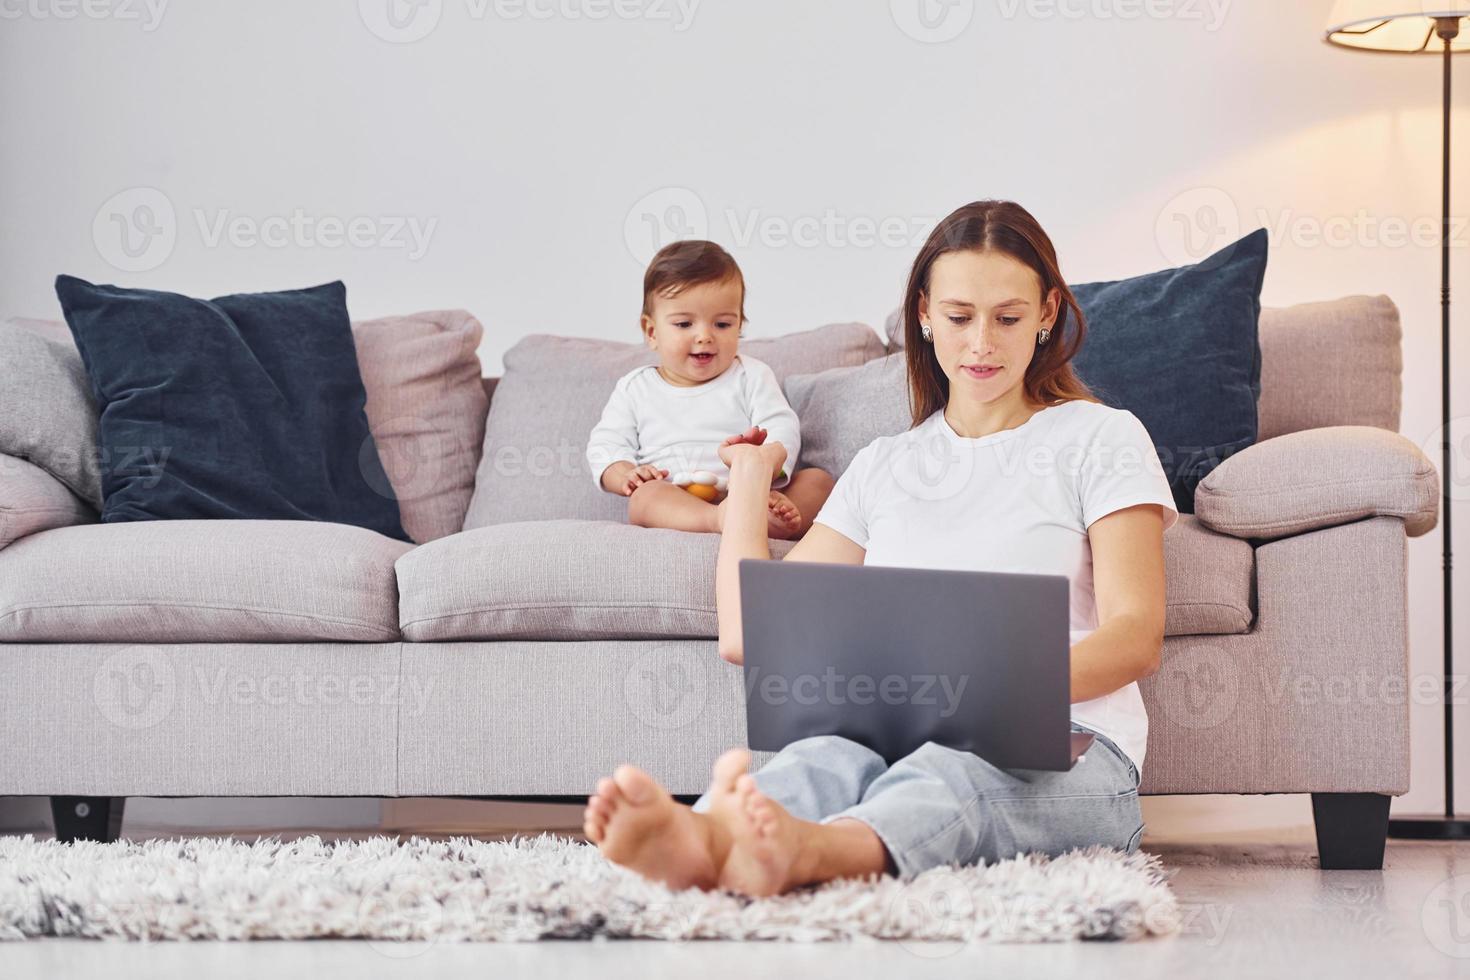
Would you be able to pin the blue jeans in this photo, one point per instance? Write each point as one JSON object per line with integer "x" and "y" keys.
{"x": 940, "y": 806}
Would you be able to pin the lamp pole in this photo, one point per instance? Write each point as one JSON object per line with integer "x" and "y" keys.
{"x": 1449, "y": 827}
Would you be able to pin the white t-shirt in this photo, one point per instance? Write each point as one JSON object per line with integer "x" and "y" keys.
{"x": 1018, "y": 500}
{"x": 648, "y": 420}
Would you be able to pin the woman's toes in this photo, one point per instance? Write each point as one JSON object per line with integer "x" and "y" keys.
{"x": 634, "y": 785}
{"x": 764, "y": 815}
{"x": 593, "y": 826}
{"x": 729, "y": 768}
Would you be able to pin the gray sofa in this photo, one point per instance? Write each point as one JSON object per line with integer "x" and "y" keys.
{"x": 523, "y": 657}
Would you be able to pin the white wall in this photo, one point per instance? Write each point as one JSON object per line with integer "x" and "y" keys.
{"x": 540, "y": 153}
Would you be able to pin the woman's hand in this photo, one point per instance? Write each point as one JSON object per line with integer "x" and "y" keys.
{"x": 753, "y": 436}
{"x": 752, "y": 442}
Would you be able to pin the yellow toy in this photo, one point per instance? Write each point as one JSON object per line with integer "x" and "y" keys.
{"x": 703, "y": 484}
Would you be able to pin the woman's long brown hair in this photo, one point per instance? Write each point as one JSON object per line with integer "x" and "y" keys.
{"x": 1006, "y": 227}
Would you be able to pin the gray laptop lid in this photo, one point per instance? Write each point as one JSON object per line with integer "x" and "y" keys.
{"x": 896, "y": 657}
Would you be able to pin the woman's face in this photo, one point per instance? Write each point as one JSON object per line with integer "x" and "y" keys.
{"x": 984, "y": 310}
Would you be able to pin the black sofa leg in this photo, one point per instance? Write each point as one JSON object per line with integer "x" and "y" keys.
{"x": 1351, "y": 830}
{"x": 96, "y": 818}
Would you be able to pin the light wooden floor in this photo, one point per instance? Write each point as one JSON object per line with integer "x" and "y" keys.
{"x": 1256, "y": 906}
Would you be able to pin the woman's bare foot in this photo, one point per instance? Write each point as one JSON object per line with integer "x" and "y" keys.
{"x": 636, "y": 823}
{"x": 782, "y": 517}
{"x": 766, "y": 844}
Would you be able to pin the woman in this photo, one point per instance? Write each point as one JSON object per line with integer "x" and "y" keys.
{"x": 1011, "y": 465}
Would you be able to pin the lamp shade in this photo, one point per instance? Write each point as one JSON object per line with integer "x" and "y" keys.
{"x": 1396, "y": 25}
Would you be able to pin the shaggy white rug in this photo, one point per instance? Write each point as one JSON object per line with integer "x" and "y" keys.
{"x": 541, "y": 888}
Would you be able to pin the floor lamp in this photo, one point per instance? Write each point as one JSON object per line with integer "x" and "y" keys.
{"x": 1439, "y": 27}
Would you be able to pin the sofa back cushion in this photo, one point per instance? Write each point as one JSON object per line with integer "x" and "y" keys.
{"x": 1180, "y": 350}
{"x": 1338, "y": 362}
{"x": 32, "y": 500}
{"x": 426, "y": 406}
{"x": 47, "y": 413}
{"x": 247, "y": 406}
{"x": 843, "y": 409}
{"x": 552, "y": 393}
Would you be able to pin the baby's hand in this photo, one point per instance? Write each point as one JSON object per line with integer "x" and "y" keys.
{"x": 640, "y": 475}
{"x": 754, "y": 435}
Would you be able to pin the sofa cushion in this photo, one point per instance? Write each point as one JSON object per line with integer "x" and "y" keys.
{"x": 426, "y": 406}
{"x": 47, "y": 413}
{"x": 1209, "y": 580}
{"x": 1317, "y": 478}
{"x": 1332, "y": 363}
{"x": 587, "y": 580}
{"x": 534, "y": 465}
{"x": 200, "y": 582}
{"x": 33, "y": 500}
{"x": 843, "y": 409}
{"x": 426, "y": 415}
{"x": 246, "y": 407}
{"x": 561, "y": 580}
{"x": 1180, "y": 350}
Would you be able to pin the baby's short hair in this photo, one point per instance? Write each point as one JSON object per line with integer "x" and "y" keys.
{"x": 691, "y": 262}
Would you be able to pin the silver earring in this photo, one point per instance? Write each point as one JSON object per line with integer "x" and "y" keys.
{"x": 928, "y": 334}
{"x": 1044, "y": 336}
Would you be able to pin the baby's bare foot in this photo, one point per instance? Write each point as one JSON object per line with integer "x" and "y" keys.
{"x": 636, "y": 823}
{"x": 783, "y": 519}
{"x": 765, "y": 843}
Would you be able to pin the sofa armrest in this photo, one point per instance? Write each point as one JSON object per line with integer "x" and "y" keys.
{"x": 33, "y": 500}
{"x": 1318, "y": 478}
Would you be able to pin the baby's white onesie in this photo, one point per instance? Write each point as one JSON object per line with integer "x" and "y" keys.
{"x": 648, "y": 420}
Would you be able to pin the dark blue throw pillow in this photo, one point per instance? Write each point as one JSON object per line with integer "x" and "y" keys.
{"x": 1180, "y": 350}
{"x": 246, "y": 407}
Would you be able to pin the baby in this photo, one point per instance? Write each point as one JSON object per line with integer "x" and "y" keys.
{"x": 659, "y": 437}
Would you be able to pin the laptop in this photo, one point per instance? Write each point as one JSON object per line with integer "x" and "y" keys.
{"x": 896, "y": 657}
